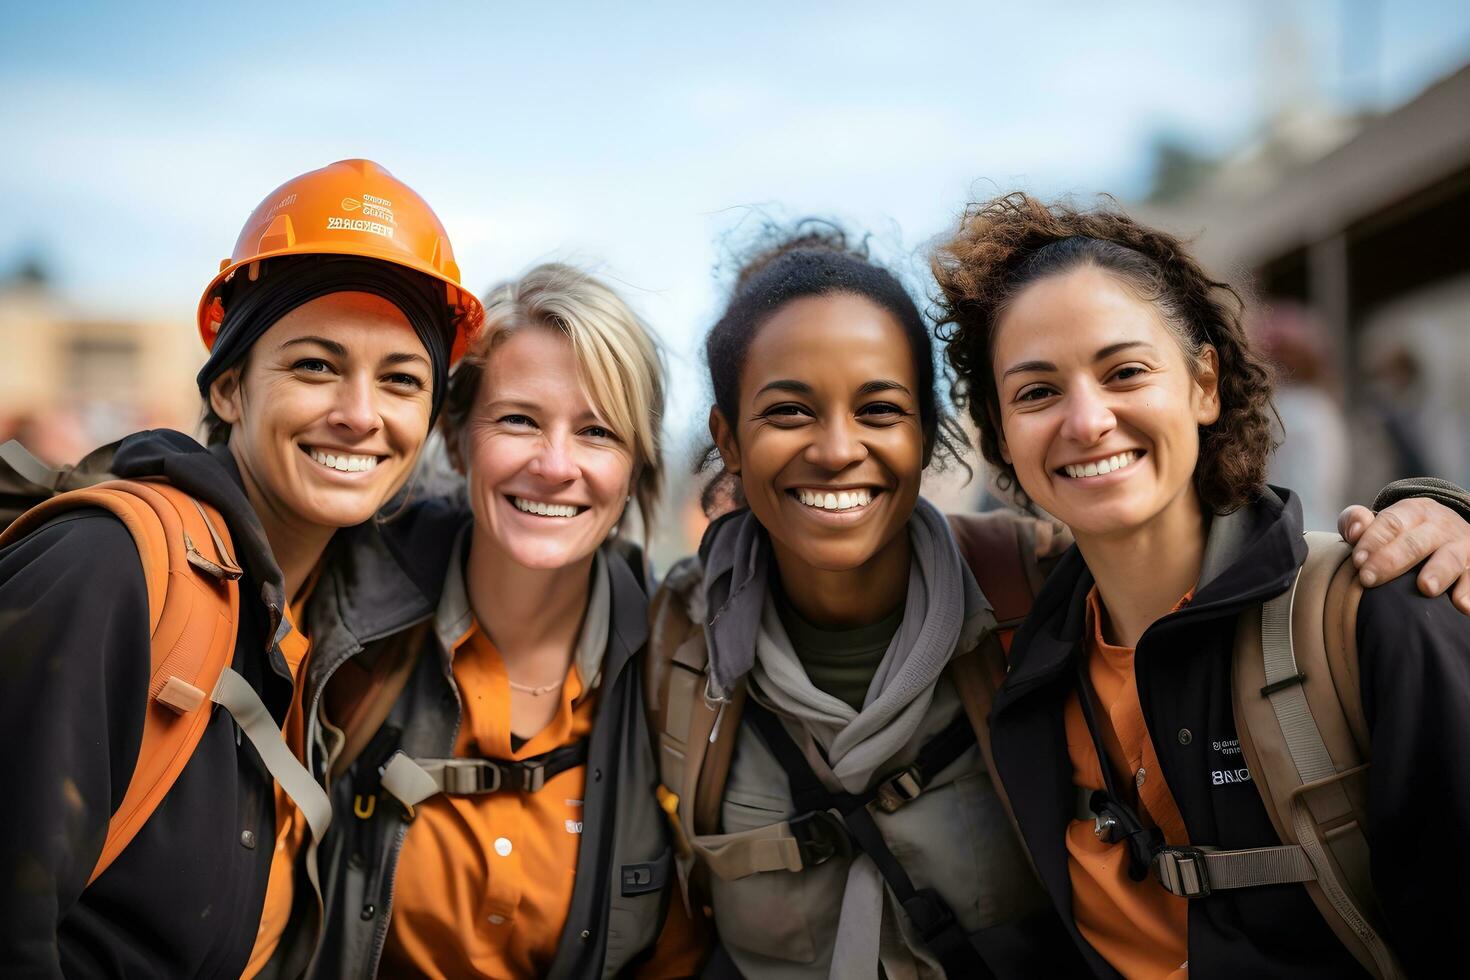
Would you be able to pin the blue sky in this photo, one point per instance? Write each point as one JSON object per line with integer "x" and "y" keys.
{"x": 135, "y": 138}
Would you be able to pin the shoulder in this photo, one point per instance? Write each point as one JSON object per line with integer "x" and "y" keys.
{"x": 675, "y": 618}
{"x": 87, "y": 545}
{"x": 1411, "y": 646}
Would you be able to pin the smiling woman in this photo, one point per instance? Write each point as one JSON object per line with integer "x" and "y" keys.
{"x": 822, "y": 620}
{"x": 329, "y": 354}
{"x": 536, "y": 846}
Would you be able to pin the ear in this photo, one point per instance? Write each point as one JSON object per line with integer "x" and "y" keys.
{"x": 1207, "y": 386}
{"x": 225, "y": 398}
{"x": 1000, "y": 437}
{"x": 724, "y": 438}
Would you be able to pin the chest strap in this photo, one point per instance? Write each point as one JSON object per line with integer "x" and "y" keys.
{"x": 1189, "y": 872}
{"x": 411, "y": 781}
{"x": 930, "y": 915}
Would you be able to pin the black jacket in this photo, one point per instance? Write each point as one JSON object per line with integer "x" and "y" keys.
{"x": 184, "y": 898}
{"x": 1414, "y": 655}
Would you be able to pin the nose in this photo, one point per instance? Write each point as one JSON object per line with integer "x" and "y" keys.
{"x": 357, "y": 409}
{"x": 837, "y": 446}
{"x": 1088, "y": 419}
{"x": 554, "y": 461}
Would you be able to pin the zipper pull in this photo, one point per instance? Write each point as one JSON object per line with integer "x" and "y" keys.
{"x": 718, "y": 703}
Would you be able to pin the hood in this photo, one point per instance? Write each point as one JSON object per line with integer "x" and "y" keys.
{"x": 212, "y": 476}
{"x": 1250, "y": 555}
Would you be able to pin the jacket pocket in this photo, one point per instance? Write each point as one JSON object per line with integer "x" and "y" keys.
{"x": 640, "y": 893}
{"x": 769, "y": 914}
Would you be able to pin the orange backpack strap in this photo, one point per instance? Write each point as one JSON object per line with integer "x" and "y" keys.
{"x": 193, "y": 607}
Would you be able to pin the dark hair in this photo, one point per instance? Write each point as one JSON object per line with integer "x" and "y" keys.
{"x": 1005, "y": 244}
{"x": 817, "y": 258}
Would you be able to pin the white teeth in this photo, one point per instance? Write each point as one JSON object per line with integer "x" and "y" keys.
{"x": 1101, "y": 466}
{"x": 544, "y": 509}
{"x": 844, "y": 500}
{"x": 344, "y": 463}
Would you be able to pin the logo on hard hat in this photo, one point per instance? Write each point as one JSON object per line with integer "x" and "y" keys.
{"x": 350, "y": 204}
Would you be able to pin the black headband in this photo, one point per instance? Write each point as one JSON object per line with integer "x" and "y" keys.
{"x": 252, "y": 308}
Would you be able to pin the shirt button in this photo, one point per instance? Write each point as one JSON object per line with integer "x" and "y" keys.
{"x": 1185, "y": 737}
{"x": 502, "y": 846}
{"x": 247, "y": 839}
{"x": 1140, "y": 776}
{"x": 496, "y": 920}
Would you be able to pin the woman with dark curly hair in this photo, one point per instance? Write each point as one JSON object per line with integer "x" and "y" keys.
{"x": 1110, "y": 377}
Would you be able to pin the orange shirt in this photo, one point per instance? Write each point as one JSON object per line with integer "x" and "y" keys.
{"x": 290, "y": 824}
{"x": 1137, "y": 926}
{"x": 484, "y": 882}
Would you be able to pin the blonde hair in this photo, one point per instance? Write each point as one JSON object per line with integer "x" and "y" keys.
{"x": 618, "y": 359}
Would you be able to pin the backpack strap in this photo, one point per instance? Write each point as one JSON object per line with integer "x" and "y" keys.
{"x": 1299, "y": 717}
{"x": 193, "y": 609}
{"x": 411, "y": 781}
{"x": 852, "y": 815}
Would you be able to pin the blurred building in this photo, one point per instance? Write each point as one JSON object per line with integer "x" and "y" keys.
{"x": 76, "y": 381}
{"x": 1363, "y": 221}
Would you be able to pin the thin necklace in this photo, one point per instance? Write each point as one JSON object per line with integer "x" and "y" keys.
{"x": 536, "y": 692}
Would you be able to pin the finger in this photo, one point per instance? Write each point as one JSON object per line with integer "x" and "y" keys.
{"x": 1444, "y": 567}
{"x": 1381, "y": 532}
{"x": 1461, "y": 593}
{"x": 1353, "y": 521}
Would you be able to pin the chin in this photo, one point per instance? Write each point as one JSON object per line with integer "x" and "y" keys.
{"x": 543, "y": 556}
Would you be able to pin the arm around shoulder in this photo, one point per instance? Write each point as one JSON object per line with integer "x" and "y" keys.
{"x": 1414, "y": 654}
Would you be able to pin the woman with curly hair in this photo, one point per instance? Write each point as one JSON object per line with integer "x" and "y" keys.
{"x": 1110, "y": 378}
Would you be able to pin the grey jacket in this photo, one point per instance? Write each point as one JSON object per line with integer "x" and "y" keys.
{"x": 954, "y": 838}
{"x": 410, "y": 574}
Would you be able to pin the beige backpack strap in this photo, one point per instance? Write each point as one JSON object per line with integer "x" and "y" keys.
{"x": 1292, "y": 713}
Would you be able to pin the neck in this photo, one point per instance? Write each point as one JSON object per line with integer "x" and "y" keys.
{"x": 1143, "y": 572}
{"x": 528, "y": 613}
{"x": 848, "y": 597}
{"x": 296, "y": 545}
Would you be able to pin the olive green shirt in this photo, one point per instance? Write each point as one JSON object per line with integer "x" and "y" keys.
{"x": 839, "y": 662}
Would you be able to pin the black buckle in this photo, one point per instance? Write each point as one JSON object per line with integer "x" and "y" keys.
{"x": 1182, "y": 871}
{"x": 820, "y": 836}
{"x": 899, "y": 789}
{"x": 929, "y": 913}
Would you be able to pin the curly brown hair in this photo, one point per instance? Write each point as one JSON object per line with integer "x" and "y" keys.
{"x": 1003, "y": 245}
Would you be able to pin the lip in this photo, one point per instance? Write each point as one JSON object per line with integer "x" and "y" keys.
{"x": 358, "y": 476}
{"x": 835, "y": 518}
{"x": 1103, "y": 479}
{"x": 509, "y": 500}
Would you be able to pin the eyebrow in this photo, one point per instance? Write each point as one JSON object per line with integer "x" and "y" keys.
{"x": 337, "y": 350}
{"x": 1101, "y": 355}
{"x": 786, "y": 384}
{"x": 881, "y": 384}
{"x": 331, "y": 345}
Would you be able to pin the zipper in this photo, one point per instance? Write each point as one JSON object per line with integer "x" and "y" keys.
{"x": 716, "y": 704}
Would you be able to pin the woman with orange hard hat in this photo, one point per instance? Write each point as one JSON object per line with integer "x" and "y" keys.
{"x": 331, "y": 330}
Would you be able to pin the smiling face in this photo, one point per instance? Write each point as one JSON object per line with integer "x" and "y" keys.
{"x": 330, "y": 411}
{"x": 828, "y": 445}
{"x": 1098, "y": 408}
{"x": 548, "y": 476}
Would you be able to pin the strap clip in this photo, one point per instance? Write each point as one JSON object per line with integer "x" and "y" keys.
{"x": 820, "y": 836}
{"x": 929, "y": 913}
{"x": 482, "y": 777}
{"x": 1182, "y": 871}
{"x": 899, "y": 789}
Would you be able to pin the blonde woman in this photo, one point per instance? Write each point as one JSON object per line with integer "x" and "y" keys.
{"x": 483, "y": 708}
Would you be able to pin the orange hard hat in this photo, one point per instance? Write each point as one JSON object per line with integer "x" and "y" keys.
{"x": 351, "y": 207}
